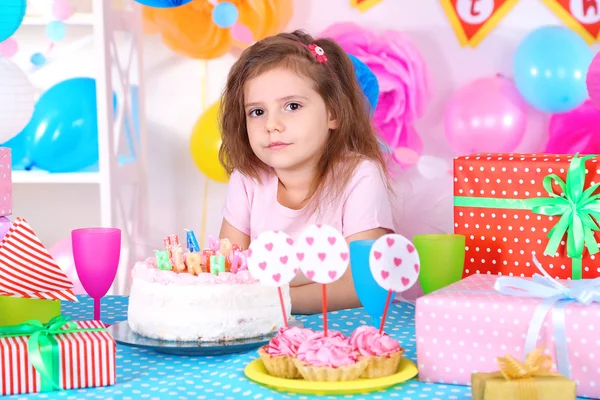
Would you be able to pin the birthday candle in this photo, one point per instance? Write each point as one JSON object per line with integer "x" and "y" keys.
{"x": 192, "y": 243}
{"x": 225, "y": 247}
{"x": 217, "y": 264}
{"x": 177, "y": 255}
{"x": 194, "y": 261}
{"x": 163, "y": 260}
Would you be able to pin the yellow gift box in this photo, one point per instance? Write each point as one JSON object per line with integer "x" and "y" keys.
{"x": 15, "y": 311}
{"x": 529, "y": 380}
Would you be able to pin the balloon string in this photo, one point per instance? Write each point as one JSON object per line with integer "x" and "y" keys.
{"x": 204, "y": 101}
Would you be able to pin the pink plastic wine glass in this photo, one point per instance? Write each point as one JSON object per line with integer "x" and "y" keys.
{"x": 96, "y": 252}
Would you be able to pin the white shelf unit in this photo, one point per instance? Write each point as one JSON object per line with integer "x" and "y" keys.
{"x": 122, "y": 187}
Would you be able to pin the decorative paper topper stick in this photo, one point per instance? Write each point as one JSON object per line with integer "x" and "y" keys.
{"x": 323, "y": 255}
{"x": 270, "y": 261}
{"x": 395, "y": 266}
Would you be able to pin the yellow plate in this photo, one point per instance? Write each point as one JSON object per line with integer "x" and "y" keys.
{"x": 256, "y": 371}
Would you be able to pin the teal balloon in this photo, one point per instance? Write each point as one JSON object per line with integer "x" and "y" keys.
{"x": 62, "y": 135}
{"x": 225, "y": 14}
{"x": 367, "y": 80}
{"x": 56, "y": 31}
{"x": 371, "y": 295}
{"x": 12, "y": 13}
{"x": 550, "y": 67}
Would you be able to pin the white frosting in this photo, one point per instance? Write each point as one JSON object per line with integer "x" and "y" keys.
{"x": 170, "y": 306}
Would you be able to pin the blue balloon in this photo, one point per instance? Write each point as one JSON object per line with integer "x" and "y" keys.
{"x": 225, "y": 14}
{"x": 367, "y": 80}
{"x": 550, "y": 67}
{"x": 56, "y": 31}
{"x": 163, "y": 3}
{"x": 12, "y": 13}
{"x": 371, "y": 295}
{"x": 37, "y": 59}
{"x": 62, "y": 135}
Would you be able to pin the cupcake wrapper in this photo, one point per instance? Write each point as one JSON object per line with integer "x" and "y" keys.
{"x": 378, "y": 367}
{"x": 280, "y": 367}
{"x": 327, "y": 374}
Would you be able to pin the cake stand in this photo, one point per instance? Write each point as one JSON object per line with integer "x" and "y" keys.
{"x": 123, "y": 334}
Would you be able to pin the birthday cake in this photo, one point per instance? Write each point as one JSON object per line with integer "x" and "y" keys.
{"x": 207, "y": 295}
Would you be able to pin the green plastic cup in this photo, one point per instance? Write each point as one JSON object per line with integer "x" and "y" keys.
{"x": 442, "y": 259}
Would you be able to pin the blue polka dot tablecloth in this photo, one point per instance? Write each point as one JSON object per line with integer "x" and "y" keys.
{"x": 144, "y": 374}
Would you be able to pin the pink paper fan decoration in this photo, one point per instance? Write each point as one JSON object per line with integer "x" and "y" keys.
{"x": 576, "y": 131}
{"x": 593, "y": 80}
{"x": 403, "y": 76}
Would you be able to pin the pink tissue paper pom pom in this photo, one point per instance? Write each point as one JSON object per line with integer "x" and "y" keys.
{"x": 403, "y": 76}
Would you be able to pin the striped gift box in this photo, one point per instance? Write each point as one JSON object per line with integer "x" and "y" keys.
{"x": 82, "y": 360}
{"x": 28, "y": 270}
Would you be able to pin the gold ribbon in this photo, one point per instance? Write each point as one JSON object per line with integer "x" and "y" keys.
{"x": 536, "y": 365}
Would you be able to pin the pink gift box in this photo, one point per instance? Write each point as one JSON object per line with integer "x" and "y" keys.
{"x": 5, "y": 182}
{"x": 463, "y": 328}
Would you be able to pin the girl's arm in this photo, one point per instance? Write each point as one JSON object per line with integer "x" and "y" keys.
{"x": 234, "y": 235}
{"x": 341, "y": 294}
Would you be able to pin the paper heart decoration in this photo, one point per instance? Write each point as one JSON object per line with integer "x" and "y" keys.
{"x": 394, "y": 263}
{"x": 322, "y": 253}
{"x": 269, "y": 258}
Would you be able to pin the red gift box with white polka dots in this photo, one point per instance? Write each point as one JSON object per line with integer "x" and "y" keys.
{"x": 495, "y": 199}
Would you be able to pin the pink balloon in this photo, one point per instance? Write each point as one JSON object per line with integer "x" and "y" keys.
{"x": 242, "y": 33}
{"x": 62, "y": 252}
{"x": 8, "y": 48}
{"x": 592, "y": 80}
{"x": 486, "y": 115}
{"x": 575, "y": 131}
{"x": 61, "y": 10}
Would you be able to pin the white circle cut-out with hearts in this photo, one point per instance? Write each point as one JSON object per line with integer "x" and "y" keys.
{"x": 322, "y": 253}
{"x": 394, "y": 263}
{"x": 270, "y": 258}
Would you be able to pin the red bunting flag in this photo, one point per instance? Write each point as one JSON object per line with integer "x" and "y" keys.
{"x": 582, "y": 16}
{"x": 28, "y": 270}
{"x": 473, "y": 20}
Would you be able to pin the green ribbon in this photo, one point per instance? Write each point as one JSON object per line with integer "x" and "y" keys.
{"x": 579, "y": 212}
{"x": 42, "y": 347}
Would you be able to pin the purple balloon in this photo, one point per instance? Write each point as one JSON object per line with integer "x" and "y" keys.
{"x": 486, "y": 115}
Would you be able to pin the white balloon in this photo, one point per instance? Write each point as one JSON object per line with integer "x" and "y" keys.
{"x": 17, "y": 99}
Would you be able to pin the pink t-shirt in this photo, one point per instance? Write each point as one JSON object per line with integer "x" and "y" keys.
{"x": 253, "y": 208}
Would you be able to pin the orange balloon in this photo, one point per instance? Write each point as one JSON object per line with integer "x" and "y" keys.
{"x": 189, "y": 29}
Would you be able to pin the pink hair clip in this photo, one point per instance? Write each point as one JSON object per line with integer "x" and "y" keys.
{"x": 318, "y": 53}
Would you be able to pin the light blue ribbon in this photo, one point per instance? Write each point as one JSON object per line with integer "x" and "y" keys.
{"x": 556, "y": 297}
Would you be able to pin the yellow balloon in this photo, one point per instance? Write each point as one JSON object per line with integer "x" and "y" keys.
{"x": 205, "y": 144}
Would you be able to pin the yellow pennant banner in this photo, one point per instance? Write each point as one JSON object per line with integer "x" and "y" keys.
{"x": 582, "y": 16}
{"x": 473, "y": 20}
{"x": 363, "y": 5}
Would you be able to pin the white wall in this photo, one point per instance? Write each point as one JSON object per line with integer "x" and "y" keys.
{"x": 174, "y": 103}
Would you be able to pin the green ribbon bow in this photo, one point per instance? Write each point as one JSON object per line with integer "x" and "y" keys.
{"x": 579, "y": 212}
{"x": 42, "y": 347}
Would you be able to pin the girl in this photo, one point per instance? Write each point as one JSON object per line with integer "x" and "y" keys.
{"x": 301, "y": 150}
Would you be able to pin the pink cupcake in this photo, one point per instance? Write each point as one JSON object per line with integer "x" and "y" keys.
{"x": 278, "y": 355}
{"x": 383, "y": 354}
{"x": 329, "y": 358}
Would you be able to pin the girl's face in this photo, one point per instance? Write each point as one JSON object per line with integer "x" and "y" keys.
{"x": 286, "y": 119}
